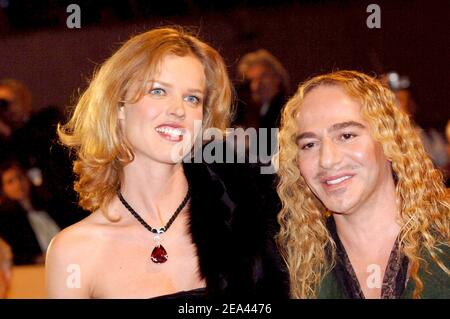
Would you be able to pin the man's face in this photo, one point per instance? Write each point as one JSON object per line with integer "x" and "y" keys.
{"x": 15, "y": 112}
{"x": 337, "y": 156}
{"x": 15, "y": 185}
{"x": 264, "y": 83}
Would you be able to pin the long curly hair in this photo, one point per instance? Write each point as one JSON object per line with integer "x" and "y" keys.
{"x": 423, "y": 201}
{"x": 93, "y": 131}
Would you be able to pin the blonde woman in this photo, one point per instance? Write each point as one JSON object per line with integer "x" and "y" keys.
{"x": 159, "y": 227}
{"x": 365, "y": 214}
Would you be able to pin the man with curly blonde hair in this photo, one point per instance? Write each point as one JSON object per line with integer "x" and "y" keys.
{"x": 365, "y": 214}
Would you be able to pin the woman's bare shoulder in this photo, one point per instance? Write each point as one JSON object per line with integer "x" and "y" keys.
{"x": 77, "y": 248}
{"x": 80, "y": 239}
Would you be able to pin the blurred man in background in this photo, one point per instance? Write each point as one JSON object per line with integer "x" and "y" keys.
{"x": 29, "y": 138}
{"x": 434, "y": 143}
{"x": 263, "y": 91}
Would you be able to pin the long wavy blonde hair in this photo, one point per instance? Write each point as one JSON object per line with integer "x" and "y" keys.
{"x": 93, "y": 131}
{"x": 424, "y": 204}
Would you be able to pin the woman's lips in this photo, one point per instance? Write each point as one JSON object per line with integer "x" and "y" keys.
{"x": 171, "y": 133}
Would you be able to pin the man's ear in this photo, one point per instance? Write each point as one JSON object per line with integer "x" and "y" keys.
{"x": 121, "y": 115}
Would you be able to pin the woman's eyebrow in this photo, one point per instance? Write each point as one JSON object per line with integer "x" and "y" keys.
{"x": 193, "y": 90}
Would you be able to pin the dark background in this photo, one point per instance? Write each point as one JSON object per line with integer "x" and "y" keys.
{"x": 309, "y": 37}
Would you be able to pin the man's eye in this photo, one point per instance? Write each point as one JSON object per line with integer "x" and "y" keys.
{"x": 347, "y": 136}
{"x": 307, "y": 146}
{"x": 157, "y": 91}
{"x": 193, "y": 99}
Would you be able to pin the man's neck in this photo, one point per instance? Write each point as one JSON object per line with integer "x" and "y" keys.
{"x": 372, "y": 224}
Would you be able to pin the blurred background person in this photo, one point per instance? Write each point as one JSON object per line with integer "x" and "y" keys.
{"x": 29, "y": 137}
{"x": 447, "y": 131}
{"x": 15, "y": 107}
{"x": 435, "y": 145}
{"x": 263, "y": 90}
{"x": 447, "y": 169}
{"x": 5, "y": 268}
{"x": 25, "y": 135}
{"x": 28, "y": 220}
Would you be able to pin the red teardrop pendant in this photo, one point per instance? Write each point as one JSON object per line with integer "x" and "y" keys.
{"x": 159, "y": 255}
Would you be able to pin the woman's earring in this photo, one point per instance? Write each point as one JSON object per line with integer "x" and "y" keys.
{"x": 327, "y": 213}
{"x": 121, "y": 115}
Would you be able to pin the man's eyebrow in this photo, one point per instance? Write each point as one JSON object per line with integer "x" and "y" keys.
{"x": 339, "y": 126}
{"x": 334, "y": 127}
{"x": 304, "y": 135}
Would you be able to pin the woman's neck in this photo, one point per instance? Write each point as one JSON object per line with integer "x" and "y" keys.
{"x": 154, "y": 190}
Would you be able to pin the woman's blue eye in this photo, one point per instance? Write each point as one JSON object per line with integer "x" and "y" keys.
{"x": 157, "y": 91}
{"x": 193, "y": 99}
